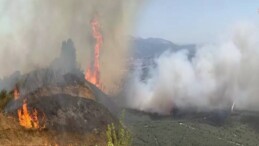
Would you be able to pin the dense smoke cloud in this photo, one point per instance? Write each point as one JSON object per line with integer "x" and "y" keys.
{"x": 215, "y": 78}
{"x": 31, "y": 33}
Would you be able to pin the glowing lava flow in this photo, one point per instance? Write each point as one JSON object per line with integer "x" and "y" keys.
{"x": 93, "y": 72}
{"x": 27, "y": 119}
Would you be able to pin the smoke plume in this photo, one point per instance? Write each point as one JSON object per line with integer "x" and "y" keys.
{"x": 31, "y": 33}
{"x": 216, "y": 77}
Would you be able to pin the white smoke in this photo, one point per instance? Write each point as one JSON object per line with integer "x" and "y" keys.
{"x": 214, "y": 78}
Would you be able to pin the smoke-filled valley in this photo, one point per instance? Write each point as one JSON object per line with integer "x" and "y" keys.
{"x": 210, "y": 77}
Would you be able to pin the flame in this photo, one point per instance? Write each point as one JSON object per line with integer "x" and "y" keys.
{"x": 16, "y": 93}
{"x": 27, "y": 119}
{"x": 93, "y": 72}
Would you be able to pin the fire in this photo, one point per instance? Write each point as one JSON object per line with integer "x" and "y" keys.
{"x": 93, "y": 72}
{"x": 16, "y": 93}
{"x": 27, "y": 119}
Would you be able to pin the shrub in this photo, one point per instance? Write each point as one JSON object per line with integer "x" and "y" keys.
{"x": 118, "y": 137}
{"x": 4, "y": 99}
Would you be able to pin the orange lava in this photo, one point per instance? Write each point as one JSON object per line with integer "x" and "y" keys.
{"x": 27, "y": 119}
{"x": 93, "y": 72}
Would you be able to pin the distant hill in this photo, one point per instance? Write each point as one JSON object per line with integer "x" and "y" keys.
{"x": 145, "y": 51}
{"x": 153, "y": 47}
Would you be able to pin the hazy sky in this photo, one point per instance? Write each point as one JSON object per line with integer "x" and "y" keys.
{"x": 193, "y": 21}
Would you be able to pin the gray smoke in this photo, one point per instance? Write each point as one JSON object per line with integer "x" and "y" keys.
{"x": 31, "y": 32}
{"x": 217, "y": 76}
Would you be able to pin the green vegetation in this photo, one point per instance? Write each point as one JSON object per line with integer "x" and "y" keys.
{"x": 5, "y": 97}
{"x": 168, "y": 131}
{"x": 118, "y": 137}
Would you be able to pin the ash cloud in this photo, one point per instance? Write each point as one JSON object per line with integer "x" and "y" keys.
{"x": 31, "y": 32}
{"x": 217, "y": 76}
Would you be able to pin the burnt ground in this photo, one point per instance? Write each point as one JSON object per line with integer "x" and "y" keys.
{"x": 11, "y": 133}
{"x": 73, "y": 111}
{"x": 66, "y": 113}
{"x": 67, "y": 119}
{"x": 200, "y": 129}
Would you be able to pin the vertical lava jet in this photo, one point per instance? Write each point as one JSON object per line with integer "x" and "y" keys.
{"x": 93, "y": 71}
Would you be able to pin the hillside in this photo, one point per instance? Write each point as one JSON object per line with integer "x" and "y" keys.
{"x": 11, "y": 133}
{"x": 75, "y": 112}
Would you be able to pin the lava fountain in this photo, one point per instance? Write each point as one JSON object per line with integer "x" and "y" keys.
{"x": 93, "y": 71}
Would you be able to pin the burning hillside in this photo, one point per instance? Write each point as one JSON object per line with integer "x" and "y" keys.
{"x": 59, "y": 100}
{"x": 14, "y": 134}
{"x": 53, "y": 118}
{"x": 64, "y": 113}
